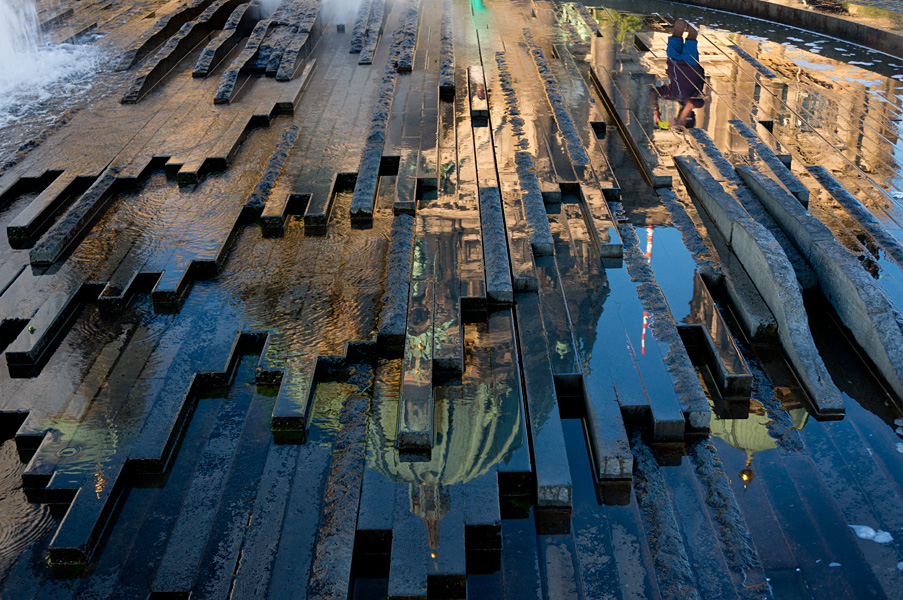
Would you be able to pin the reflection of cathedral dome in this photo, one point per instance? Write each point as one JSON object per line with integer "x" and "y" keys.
{"x": 472, "y": 434}
{"x": 751, "y": 434}
{"x": 474, "y": 431}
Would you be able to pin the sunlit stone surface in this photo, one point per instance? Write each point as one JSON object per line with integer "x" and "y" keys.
{"x": 423, "y": 299}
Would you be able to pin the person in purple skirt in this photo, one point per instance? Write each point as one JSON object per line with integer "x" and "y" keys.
{"x": 686, "y": 79}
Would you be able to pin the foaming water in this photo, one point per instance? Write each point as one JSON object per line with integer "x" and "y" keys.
{"x": 32, "y": 70}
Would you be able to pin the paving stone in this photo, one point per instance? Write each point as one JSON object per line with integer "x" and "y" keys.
{"x": 45, "y": 325}
{"x": 806, "y": 276}
{"x": 405, "y": 60}
{"x": 309, "y": 25}
{"x": 129, "y": 382}
{"x": 393, "y": 319}
{"x": 225, "y": 545}
{"x": 447, "y": 60}
{"x": 553, "y": 481}
{"x": 76, "y": 539}
{"x": 236, "y": 75}
{"x": 606, "y": 86}
{"x": 520, "y": 250}
{"x": 184, "y": 552}
{"x": 859, "y": 303}
{"x": 406, "y": 184}
{"x": 260, "y": 547}
{"x": 358, "y": 34}
{"x": 515, "y": 470}
{"x": 298, "y": 536}
{"x": 177, "y": 47}
{"x": 173, "y": 402}
{"x": 331, "y": 569}
{"x": 863, "y": 216}
{"x": 373, "y": 32}
{"x": 416, "y": 427}
{"x": 482, "y": 516}
{"x": 448, "y": 345}
{"x": 165, "y": 27}
{"x": 428, "y": 555}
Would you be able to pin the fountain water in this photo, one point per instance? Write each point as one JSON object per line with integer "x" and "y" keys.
{"x": 19, "y": 40}
{"x": 32, "y": 69}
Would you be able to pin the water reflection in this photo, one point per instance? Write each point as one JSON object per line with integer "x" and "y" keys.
{"x": 751, "y": 435}
{"x": 842, "y": 115}
{"x": 478, "y": 426}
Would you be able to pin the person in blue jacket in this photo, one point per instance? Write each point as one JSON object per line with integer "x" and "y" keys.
{"x": 686, "y": 78}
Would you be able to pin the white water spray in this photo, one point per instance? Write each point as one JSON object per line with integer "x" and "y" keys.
{"x": 19, "y": 36}
{"x": 31, "y": 68}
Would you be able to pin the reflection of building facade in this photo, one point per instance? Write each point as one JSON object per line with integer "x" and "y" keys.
{"x": 816, "y": 104}
{"x": 813, "y": 100}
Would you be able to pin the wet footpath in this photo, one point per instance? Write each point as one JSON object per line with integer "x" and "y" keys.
{"x": 417, "y": 299}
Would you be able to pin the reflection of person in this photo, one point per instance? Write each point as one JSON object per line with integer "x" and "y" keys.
{"x": 686, "y": 76}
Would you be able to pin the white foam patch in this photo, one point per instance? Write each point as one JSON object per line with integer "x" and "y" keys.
{"x": 867, "y": 533}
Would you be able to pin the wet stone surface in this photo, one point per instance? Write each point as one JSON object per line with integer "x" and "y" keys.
{"x": 417, "y": 300}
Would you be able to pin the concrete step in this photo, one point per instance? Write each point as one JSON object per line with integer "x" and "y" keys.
{"x": 331, "y": 569}
{"x": 782, "y": 298}
{"x": 175, "y": 395}
{"x": 223, "y": 546}
{"x": 165, "y": 27}
{"x": 515, "y": 469}
{"x": 373, "y": 31}
{"x": 238, "y": 26}
{"x": 200, "y": 516}
{"x": 553, "y": 481}
{"x": 69, "y": 229}
{"x": 29, "y": 224}
{"x": 177, "y": 47}
{"x": 416, "y": 420}
{"x": 723, "y": 357}
{"x": 236, "y": 75}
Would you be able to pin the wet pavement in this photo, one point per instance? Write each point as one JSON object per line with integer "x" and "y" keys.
{"x": 415, "y": 300}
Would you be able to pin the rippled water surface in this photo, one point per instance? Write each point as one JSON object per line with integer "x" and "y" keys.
{"x": 21, "y": 523}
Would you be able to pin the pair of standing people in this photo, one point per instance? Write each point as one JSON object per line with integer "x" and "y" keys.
{"x": 686, "y": 79}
